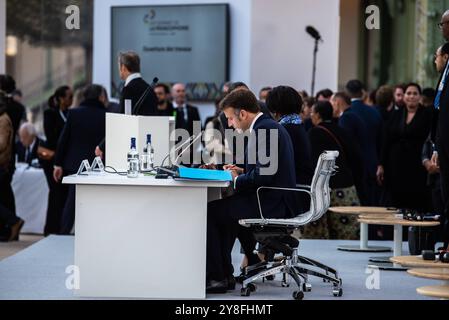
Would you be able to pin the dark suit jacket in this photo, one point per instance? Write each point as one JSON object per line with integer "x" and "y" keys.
{"x": 134, "y": 91}
{"x": 373, "y": 124}
{"x": 441, "y": 123}
{"x": 84, "y": 130}
{"x": 21, "y": 152}
{"x": 53, "y": 126}
{"x": 275, "y": 204}
{"x": 192, "y": 115}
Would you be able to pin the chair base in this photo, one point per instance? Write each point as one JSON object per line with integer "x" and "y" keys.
{"x": 299, "y": 269}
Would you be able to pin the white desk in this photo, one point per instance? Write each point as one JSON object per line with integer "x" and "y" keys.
{"x": 141, "y": 238}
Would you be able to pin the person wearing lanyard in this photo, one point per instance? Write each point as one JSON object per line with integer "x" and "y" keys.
{"x": 55, "y": 118}
{"x": 441, "y": 129}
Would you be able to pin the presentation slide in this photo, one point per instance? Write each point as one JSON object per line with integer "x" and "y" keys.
{"x": 181, "y": 43}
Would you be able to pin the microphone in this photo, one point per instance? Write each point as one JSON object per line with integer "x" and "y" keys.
{"x": 155, "y": 82}
{"x": 178, "y": 148}
{"x": 313, "y": 33}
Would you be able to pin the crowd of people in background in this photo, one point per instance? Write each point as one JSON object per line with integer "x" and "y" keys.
{"x": 391, "y": 142}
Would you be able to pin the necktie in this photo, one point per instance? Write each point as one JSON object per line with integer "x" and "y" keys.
{"x": 441, "y": 88}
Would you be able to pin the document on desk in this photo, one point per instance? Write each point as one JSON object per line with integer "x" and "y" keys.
{"x": 204, "y": 174}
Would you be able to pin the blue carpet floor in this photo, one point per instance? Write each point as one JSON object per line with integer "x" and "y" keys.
{"x": 38, "y": 273}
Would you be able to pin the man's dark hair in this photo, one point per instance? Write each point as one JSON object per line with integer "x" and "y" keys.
{"x": 265, "y": 89}
{"x": 164, "y": 86}
{"x": 236, "y": 85}
{"x": 445, "y": 48}
{"x": 310, "y": 101}
{"x": 355, "y": 88}
{"x": 429, "y": 93}
{"x": 326, "y": 93}
{"x": 372, "y": 96}
{"x": 241, "y": 100}
{"x": 7, "y": 83}
{"x": 384, "y": 96}
{"x": 399, "y": 86}
{"x": 284, "y": 101}
{"x": 93, "y": 92}
{"x": 343, "y": 96}
{"x": 324, "y": 109}
{"x": 413, "y": 84}
{"x": 130, "y": 60}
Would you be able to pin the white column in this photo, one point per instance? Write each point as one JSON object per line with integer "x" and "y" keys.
{"x": 2, "y": 36}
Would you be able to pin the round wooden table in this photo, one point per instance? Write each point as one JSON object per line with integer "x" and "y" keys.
{"x": 418, "y": 262}
{"x": 365, "y": 211}
{"x": 383, "y": 263}
{"x": 432, "y": 273}
{"x": 441, "y": 292}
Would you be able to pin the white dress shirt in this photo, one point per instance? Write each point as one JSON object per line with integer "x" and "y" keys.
{"x": 251, "y": 128}
{"x": 132, "y": 77}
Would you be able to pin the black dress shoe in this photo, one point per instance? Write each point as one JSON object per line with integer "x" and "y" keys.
{"x": 217, "y": 287}
{"x": 15, "y": 230}
{"x": 231, "y": 283}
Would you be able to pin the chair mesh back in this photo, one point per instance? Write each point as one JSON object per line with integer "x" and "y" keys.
{"x": 320, "y": 198}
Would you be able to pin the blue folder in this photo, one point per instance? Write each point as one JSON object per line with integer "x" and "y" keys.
{"x": 204, "y": 175}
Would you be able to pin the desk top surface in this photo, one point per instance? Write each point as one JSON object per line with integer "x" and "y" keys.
{"x": 114, "y": 179}
{"x": 431, "y": 273}
{"x": 361, "y": 210}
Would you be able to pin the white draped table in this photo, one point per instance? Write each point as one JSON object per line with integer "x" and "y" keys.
{"x": 31, "y": 194}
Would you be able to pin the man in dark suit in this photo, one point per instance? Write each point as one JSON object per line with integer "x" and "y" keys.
{"x": 84, "y": 129}
{"x": 243, "y": 113}
{"x": 135, "y": 86}
{"x": 164, "y": 106}
{"x": 441, "y": 158}
{"x": 26, "y": 148}
{"x": 373, "y": 123}
{"x": 186, "y": 114}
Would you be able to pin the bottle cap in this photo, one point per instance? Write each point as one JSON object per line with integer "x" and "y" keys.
{"x": 133, "y": 143}
{"x": 148, "y": 138}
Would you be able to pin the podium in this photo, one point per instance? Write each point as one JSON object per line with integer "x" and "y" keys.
{"x": 121, "y": 128}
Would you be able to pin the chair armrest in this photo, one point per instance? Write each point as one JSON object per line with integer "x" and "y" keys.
{"x": 275, "y": 188}
{"x": 303, "y": 186}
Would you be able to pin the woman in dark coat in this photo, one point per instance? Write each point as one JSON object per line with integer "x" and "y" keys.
{"x": 401, "y": 170}
{"x": 54, "y": 120}
{"x": 326, "y": 135}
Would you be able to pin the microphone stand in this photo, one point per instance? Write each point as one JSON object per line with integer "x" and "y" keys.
{"x": 143, "y": 97}
{"x": 315, "y": 52}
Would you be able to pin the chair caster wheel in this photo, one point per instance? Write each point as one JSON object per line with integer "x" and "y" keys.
{"x": 338, "y": 293}
{"x": 307, "y": 287}
{"x": 285, "y": 285}
{"x": 245, "y": 292}
{"x": 298, "y": 295}
{"x": 269, "y": 278}
{"x": 252, "y": 287}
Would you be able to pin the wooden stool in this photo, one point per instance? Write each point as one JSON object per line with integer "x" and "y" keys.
{"x": 368, "y": 211}
{"x": 418, "y": 262}
{"x": 441, "y": 292}
{"x": 383, "y": 263}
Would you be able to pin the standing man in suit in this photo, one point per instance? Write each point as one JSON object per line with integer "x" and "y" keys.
{"x": 135, "y": 86}
{"x": 84, "y": 129}
{"x": 441, "y": 156}
{"x": 26, "y": 148}
{"x": 373, "y": 123}
{"x": 243, "y": 113}
{"x": 186, "y": 114}
{"x": 164, "y": 106}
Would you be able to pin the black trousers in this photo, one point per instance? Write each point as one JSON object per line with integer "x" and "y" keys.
{"x": 68, "y": 213}
{"x": 7, "y": 201}
{"x": 57, "y": 196}
{"x": 443, "y": 155}
{"x": 222, "y": 230}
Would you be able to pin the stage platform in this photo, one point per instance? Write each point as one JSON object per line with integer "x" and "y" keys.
{"x": 38, "y": 273}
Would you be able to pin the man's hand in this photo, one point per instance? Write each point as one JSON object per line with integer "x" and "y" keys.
{"x": 57, "y": 174}
{"x": 231, "y": 167}
{"x": 435, "y": 160}
{"x": 431, "y": 167}
{"x": 98, "y": 152}
{"x": 380, "y": 175}
{"x": 234, "y": 174}
{"x": 210, "y": 166}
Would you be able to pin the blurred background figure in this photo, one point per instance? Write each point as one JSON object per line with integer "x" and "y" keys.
{"x": 263, "y": 94}
{"x": 26, "y": 148}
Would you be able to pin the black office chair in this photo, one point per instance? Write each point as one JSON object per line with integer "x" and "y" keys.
{"x": 276, "y": 237}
